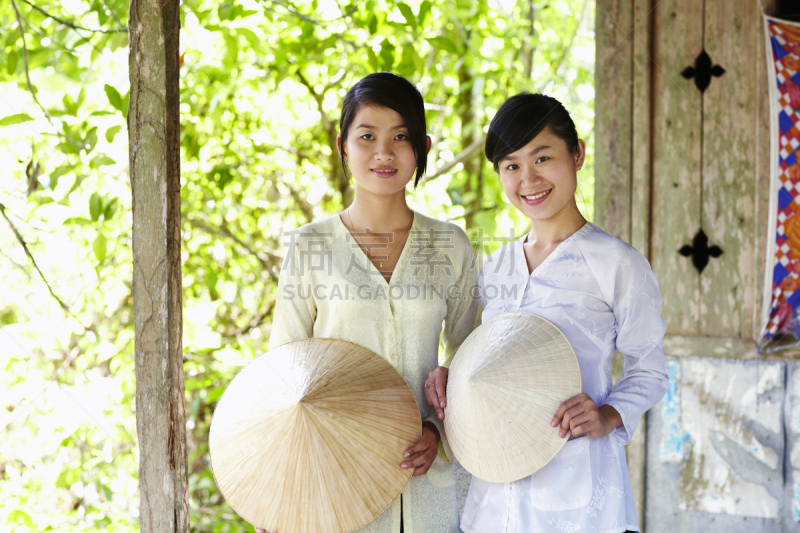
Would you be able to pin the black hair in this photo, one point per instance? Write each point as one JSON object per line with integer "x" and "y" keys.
{"x": 521, "y": 118}
{"x": 397, "y": 93}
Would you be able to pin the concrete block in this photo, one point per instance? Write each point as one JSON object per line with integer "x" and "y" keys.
{"x": 791, "y": 496}
{"x": 715, "y": 448}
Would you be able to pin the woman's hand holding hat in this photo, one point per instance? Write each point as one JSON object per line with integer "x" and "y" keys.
{"x": 435, "y": 389}
{"x": 423, "y": 452}
{"x": 581, "y": 415}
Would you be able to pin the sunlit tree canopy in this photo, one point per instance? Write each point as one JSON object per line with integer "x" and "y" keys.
{"x": 262, "y": 84}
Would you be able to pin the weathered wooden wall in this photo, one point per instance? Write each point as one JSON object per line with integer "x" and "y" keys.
{"x": 671, "y": 160}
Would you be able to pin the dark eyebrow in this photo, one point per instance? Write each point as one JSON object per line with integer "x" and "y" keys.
{"x": 367, "y": 126}
{"x": 533, "y": 152}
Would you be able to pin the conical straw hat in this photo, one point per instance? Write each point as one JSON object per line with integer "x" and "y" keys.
{"x": 309, "y": 437}
{"x": 505, "y": 384}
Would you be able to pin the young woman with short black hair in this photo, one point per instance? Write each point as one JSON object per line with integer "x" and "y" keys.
{"x": 601, "y": 293}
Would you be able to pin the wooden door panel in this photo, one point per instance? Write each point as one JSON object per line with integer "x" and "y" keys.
{"x": 677, "y": 128}
{"x": 729, "y": 156}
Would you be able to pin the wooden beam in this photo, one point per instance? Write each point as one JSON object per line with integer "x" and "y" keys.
{"x": 751, "y": 327}
{"x": 613, "y": 100}
{"x": 153, "y": 134}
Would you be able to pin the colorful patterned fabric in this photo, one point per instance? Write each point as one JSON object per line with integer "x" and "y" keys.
{"x": 781, "y": 315}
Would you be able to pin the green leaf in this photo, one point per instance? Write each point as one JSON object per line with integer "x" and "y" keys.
{"x": 116, "y": 100}
{"x": 19, "y": 516}
{"x": 373, "y": 59}
{"x": 408, "y": 63}
{"x": 251, "y": 38}
{"x": 100, "y": 246}
{"x": 424, "y": 12}
{"x": 95, "y": 206}
{"x": 15, "y": 119}
{"x": 8, "y": 317}
{"x": 408, "y": 15}
{"x": 222, "y": 175}
{"x": 101, "y": 160}
{"x": 210, "y": 278}
{"x": 69, "y": 104}
{"x": 232, "y": 51}
{"x": 11, "y": 62}
{"x": 112, "y": 132}
{"x": 67, "y": 476}
{"x": 387, "y": 55}
{"x": 215, "y": 394}
{"x": 57, "y": 173}
{"x": 109, "y": 209}
{"x": 91, "y": 139}
{"x": 125, "y": 104}
{"x": 443, "y": 43}
{"x": 373, "y": 24}
{"x": 455, "y": 196}
{"x": 77, "y": 221}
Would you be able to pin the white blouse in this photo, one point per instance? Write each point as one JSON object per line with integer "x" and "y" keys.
{"x": 329, "y": 288}
{"x": 602, "y": 294}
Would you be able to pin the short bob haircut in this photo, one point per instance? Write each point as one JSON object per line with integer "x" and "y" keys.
{"x": 397, "y": 93}
{"x": 521, "y": 118}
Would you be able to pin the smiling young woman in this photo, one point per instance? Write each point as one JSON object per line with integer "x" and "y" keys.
{"x": 602, "y": 294}
{"x": 387, "y": 278}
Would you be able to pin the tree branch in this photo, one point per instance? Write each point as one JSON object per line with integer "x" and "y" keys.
{"x": 225, "y": 232}
{"x": 330, "y": 132}
{"x": 529, "y": 51}
{"x": 567, "y": 48}
{"x": 305, "y": 207}
{"x": 64, "y": 306}
{"x": 72, "y": 25}
{"x": 113, "y": 13}
{"x": 30, "y": 85}
{"x": 467, "y": 153}
{"x": 254, "y": 323}
{"x": 294, "y": 12}
{"x": 25, "y": 59}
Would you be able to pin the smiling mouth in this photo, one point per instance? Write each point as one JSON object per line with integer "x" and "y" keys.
{"x": 537, "y": 196}
{"x": 385, "y": 171}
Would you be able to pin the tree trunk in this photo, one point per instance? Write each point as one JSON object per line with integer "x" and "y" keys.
{"x": 153, "y": 134}
{"x": 473, "y": 185}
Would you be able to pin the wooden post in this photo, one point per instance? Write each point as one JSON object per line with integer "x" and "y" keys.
{"x": 153, "y": 134}
{"x": 613, "y": 99}
{"x": 623, "y": 73}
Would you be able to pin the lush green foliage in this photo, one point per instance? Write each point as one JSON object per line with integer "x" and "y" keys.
{"x": 262, "y": 83}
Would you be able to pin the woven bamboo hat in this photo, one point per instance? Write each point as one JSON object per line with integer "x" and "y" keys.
{"x": 505, "y": 384}
{"x": 309, "y": 437}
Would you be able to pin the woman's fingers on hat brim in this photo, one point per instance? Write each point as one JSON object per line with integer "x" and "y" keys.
{"x": 570, "y": 415}
{"x": 432, "y": 395}
{"x": 582, "y": 423}
{"x": 422, "y": 462}
{"x": 441, "y": 386}
{"x": 419, "y": 447}
{"x": 564, "y": 407}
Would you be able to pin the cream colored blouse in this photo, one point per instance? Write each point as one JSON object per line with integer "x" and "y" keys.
{"x": 329, "y": 288}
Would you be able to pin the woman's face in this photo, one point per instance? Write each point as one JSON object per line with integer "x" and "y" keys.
{"x": 540, "y": 178}
{"x": 378, "y": 151}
